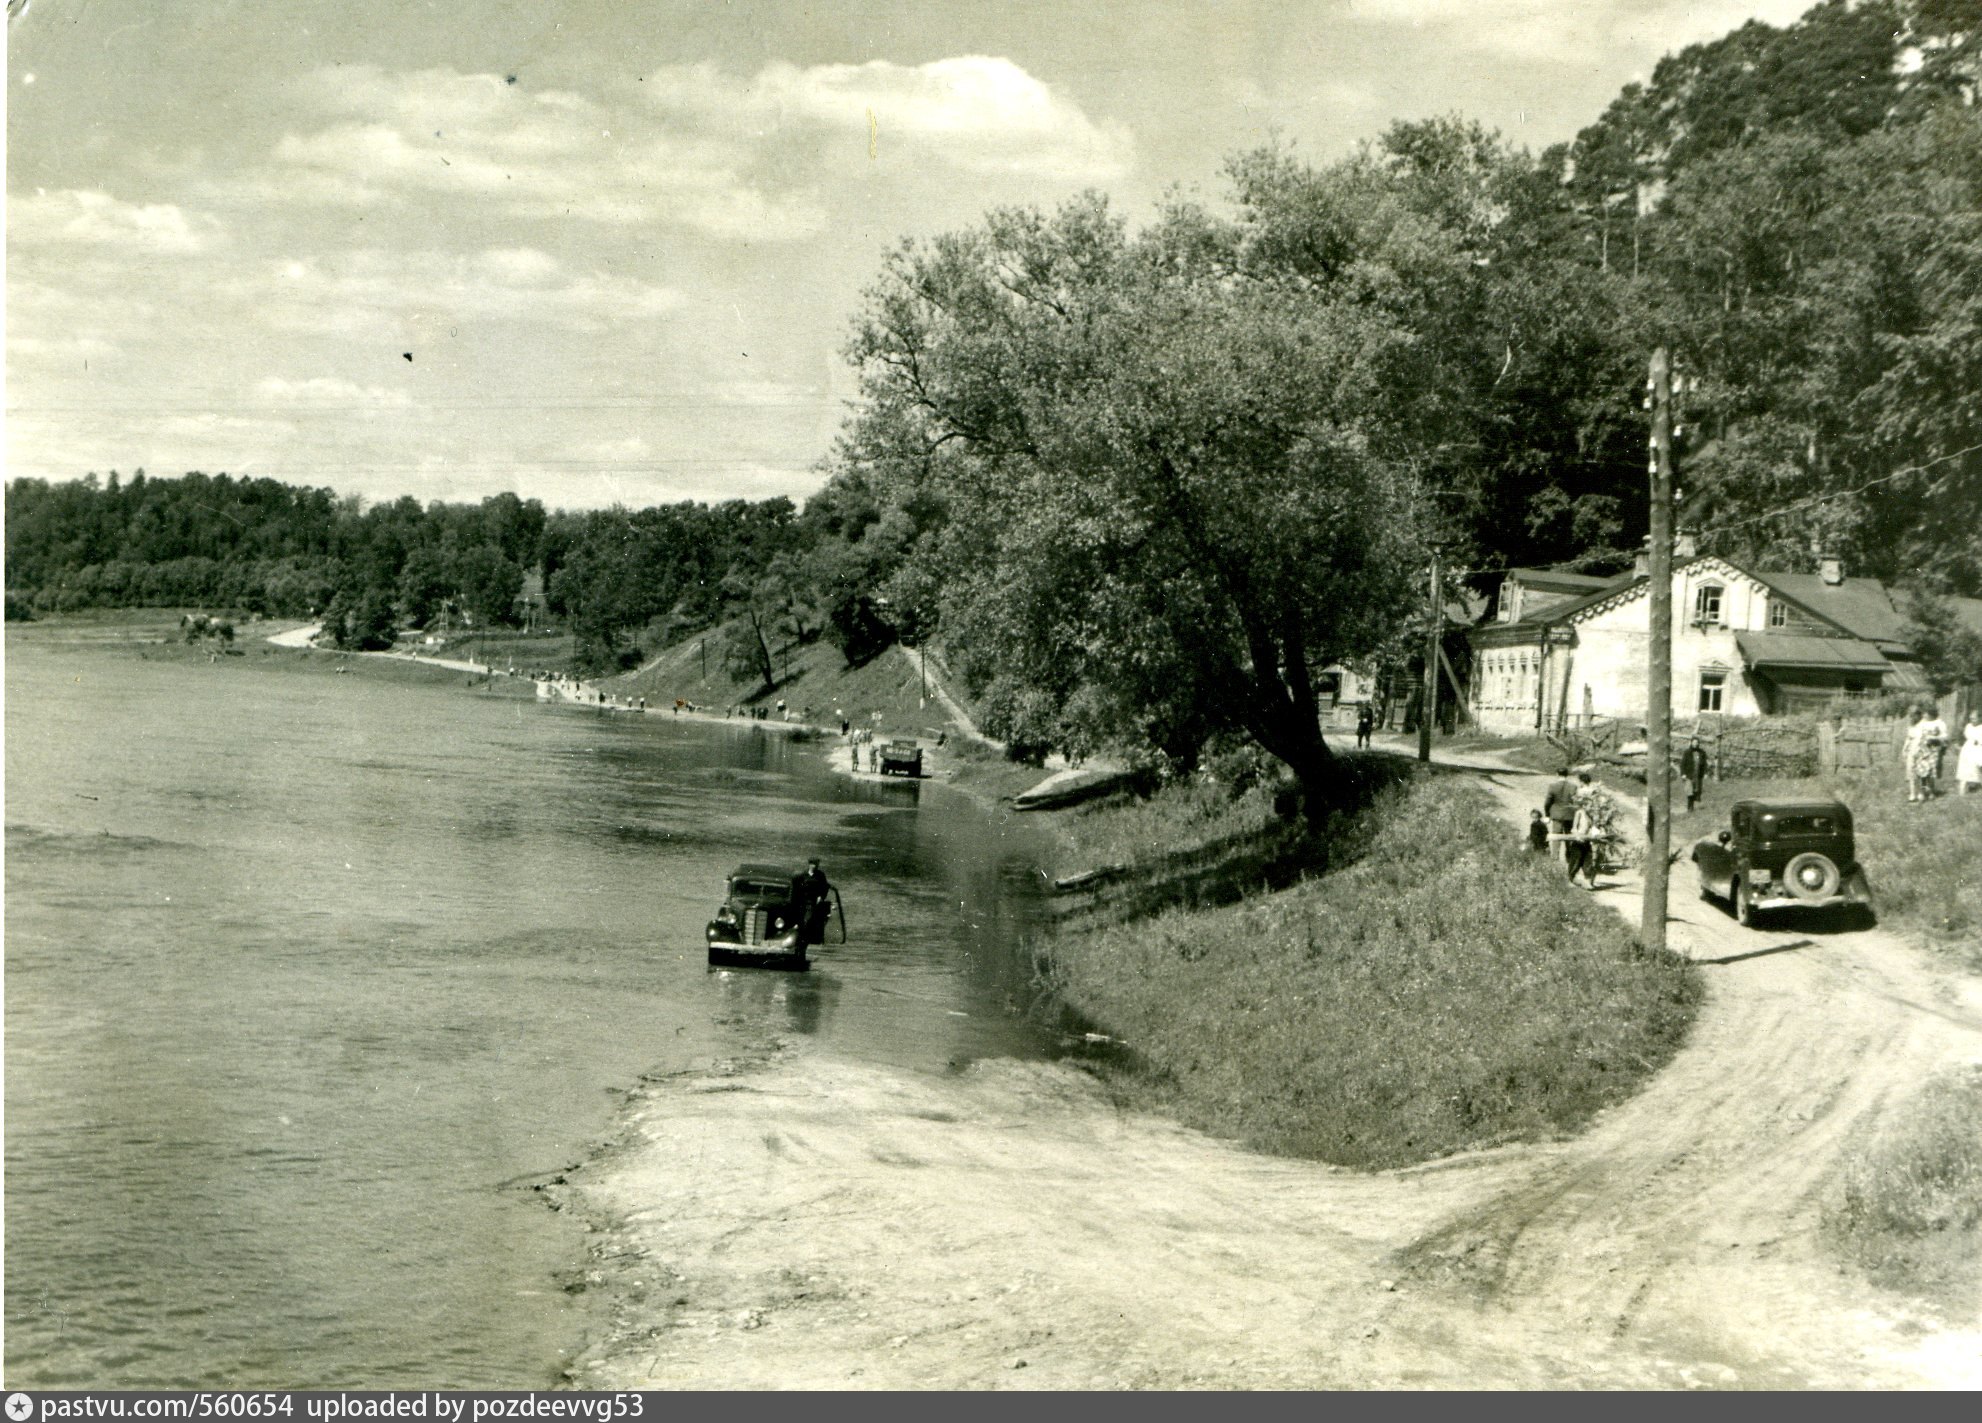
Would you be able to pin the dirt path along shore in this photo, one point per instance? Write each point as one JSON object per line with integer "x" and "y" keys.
{"x": 807, "y": 1222}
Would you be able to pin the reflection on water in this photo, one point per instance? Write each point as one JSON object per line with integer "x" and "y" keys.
{"x": 792, "y": 1002}
{"x": 301, "y": 968}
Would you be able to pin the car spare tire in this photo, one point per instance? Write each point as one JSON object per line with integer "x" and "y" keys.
{"x": 1811, "y": 876}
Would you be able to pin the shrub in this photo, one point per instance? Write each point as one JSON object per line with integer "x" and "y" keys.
{"x": 1908, "y": 1208}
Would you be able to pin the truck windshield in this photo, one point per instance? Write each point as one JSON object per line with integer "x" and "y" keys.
{"x": 759, "y": 889}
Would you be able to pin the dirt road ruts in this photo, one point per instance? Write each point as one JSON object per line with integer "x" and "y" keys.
{"x": 806, "y": 1222}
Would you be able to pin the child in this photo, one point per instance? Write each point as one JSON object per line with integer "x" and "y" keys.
{"x": 1537, "y": 831}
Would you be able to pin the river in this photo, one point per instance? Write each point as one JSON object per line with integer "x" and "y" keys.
{"x": 310, "y": 977}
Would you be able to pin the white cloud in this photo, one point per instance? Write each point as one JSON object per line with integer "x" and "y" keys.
{"x": 51, "y": 350}
{"x": 352, "y": 292}
{"x": 327, "y": 390}
{"x": 1573, "y": 31}
{"x": 722, "y": 154}
{"x": 74, "y": 217}
{"x": 630, "y": 450}
{"x": 209, "y": 426}
{"x": 472, "y": 137}
{"x": 974, "y": 112}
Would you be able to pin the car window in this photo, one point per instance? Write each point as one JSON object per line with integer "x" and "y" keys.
{"x": 1740, "y": 822}
{"x": 1806, "y": 825}
{"x": 759, "y": 889}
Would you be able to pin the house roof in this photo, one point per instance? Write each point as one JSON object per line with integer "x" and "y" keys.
{"x": 1556, "y": 578}
{"x": 1861, "y": 606}
{"x": 1809, "y": 652}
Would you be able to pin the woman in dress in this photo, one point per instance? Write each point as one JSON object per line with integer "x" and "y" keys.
{"x": 1932, "y": 734}
{"x": 1968, "y": 766}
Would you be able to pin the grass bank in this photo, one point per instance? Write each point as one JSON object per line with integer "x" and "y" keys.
{"x": 1907, "y": 1210}
{"x": 1439, "y": 989}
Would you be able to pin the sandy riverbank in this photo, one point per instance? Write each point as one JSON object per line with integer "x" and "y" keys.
{"x": 803, "y": 1221}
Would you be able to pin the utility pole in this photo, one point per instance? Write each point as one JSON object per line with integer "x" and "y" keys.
{"x": 1658, "y": 680}
{"x": 1428, "y": 698}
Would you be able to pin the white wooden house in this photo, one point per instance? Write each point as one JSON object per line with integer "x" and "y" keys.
{"x": 1743, "y": 644}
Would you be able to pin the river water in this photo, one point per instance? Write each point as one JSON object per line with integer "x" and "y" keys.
{"x": 309, "y": 977}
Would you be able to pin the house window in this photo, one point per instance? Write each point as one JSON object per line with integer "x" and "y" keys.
{"x": 1711, "y": 686}
{"x": 1778, "y": 613}
{"x": 1706, "y": 605}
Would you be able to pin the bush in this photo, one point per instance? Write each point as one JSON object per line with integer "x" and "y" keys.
{"x": 1447, "y": 990}
{"x": 1908, "y": 1209}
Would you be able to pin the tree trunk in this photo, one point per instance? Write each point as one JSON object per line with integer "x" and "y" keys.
{"x": 764, "y": 663}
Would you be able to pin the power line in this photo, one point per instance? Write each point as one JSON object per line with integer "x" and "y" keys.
{"x": 1844, "y": 493}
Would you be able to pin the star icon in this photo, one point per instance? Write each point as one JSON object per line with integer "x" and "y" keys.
{"x": 20, "y": 1407}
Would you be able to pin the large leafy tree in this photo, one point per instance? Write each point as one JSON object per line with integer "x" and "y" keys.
{"x": 1178, "y": 472}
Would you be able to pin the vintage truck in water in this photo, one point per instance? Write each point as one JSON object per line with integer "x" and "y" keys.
{"x": 770, "y": 915}
{"x": 901, "y": 758}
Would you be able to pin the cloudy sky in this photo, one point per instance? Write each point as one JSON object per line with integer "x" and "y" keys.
{"x": 599, "y": 251}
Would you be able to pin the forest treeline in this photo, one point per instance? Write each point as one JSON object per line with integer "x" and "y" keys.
{"x": 616, "y": 578}
{"x": 1144, "y": 483}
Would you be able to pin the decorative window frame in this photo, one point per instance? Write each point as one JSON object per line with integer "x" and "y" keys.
{"x": 1701, "y": 592}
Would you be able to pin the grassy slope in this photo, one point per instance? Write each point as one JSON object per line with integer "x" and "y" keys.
{"x": 818, "y": 679}
{"x": 1908, "y": 1209}
{"x": 1445, "y": 990}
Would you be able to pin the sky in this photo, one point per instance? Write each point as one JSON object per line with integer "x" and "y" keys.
{"x": 603, "y": 252}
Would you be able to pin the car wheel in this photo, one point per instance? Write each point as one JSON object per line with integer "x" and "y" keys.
{"x": 1744, "y": 907}
{"x": 1812, "y": 876}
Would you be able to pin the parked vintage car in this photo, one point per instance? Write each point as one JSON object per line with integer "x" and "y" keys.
{"x": 769, "y": 917}
{"x": 901, "y": 758}
{"x": 1780, "y": 854}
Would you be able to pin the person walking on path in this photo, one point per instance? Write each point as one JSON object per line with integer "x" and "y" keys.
{"x": 1968, "y": 766}
{"x": 1560, "y": 808}
{"x": 1593, "y": 812}
{"x": 1365, "y": 724}
{"x": 1693, "y": 768}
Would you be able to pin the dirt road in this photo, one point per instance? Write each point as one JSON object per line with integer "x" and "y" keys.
{"x": 807, "y": 1222}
